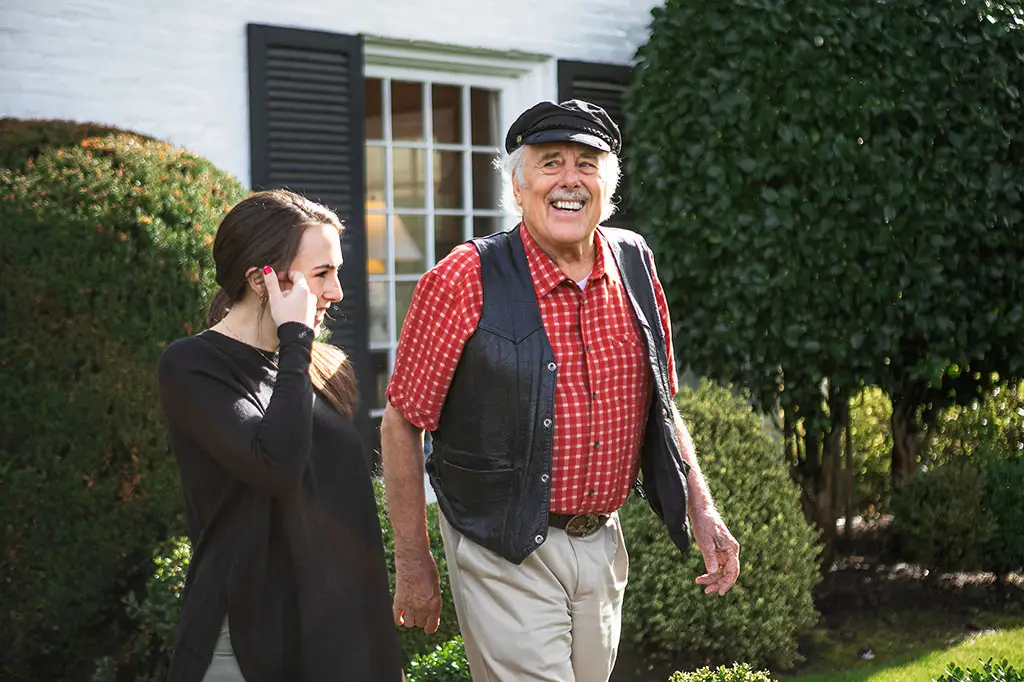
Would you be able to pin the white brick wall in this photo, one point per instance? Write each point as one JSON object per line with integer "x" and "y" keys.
{"x": 177, "y": 70}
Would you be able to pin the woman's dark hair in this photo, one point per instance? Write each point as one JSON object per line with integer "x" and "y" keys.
{"x": 266, "y": 228}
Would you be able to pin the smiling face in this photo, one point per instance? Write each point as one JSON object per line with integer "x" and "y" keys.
{"x": 318, "y": 259}
{"x": 561, "y": 192}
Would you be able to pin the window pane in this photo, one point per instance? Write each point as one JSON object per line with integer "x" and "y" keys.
{"x": 379, "y": 362}
{"x": 410, "y": 244}
{"x": 376, "y": 244}
{"x": 485, "y": 225}
{"x": 375, "y": 159}
{"x": 378, "y": 295}
{"x": 374, "y": 109}
{"x": 447, "y": 234}
{"x": 446, "y": 101}
{"x": 403, "y": 297}
{"x": 448, "y": 180}
{"x": 410, "y": 178}
{"x": 486, "y": 181}
{"x": 483, "y": 106}
{"x": 407, "y": 112}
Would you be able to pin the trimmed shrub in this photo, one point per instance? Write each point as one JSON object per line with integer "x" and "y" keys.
{"x": 940, "y": 520}
{"x": 104, "y": 258}
{"x": 446, "y": 663}
{"x": 989, "y": 672}
{"x": 412, "y": 641}
{"x": 666, "y": 614}
{"x": 1004, "y": 498}
{"x": 735, "y": 673}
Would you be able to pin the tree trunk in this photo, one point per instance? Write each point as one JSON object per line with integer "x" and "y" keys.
{"x": 828, "y": 475}
{"x": 849, "y": 478}
{"x": 904, "y": 439}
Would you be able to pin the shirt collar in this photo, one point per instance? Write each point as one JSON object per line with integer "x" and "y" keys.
{"x": 546, "y": 273}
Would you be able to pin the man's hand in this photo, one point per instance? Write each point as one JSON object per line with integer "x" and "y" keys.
{"x": 417, "y": 593}
{"x": 721, "y": 552}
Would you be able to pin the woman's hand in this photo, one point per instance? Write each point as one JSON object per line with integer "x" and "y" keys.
{"x": 296, "y": 305}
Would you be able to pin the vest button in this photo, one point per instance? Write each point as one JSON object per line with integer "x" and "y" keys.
{"x": 547, "y": 423}
{"x": 551, "y": 367}
{"x": 539, "y": 539}
{"x": 544, "y": 478}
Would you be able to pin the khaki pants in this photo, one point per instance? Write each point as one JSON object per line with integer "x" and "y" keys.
{"x": 554, "y": 618}
{"x": 223, "y": 666}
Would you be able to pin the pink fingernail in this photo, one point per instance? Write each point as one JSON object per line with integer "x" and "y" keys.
{"x": 266, "y": 269}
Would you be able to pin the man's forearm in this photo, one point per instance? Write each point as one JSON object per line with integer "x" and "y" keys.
{"x": 402, "y": 460}
{"x": 699, "y": 499}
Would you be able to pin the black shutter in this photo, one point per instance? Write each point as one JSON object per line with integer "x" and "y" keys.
{"x": 306, "y": 135}
{"x": 603, "y": 85}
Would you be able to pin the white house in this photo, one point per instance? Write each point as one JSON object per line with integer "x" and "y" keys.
{"x": 390, "y": 111}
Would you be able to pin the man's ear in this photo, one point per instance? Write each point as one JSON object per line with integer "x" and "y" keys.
{"x": 516, "y": 191}
{"x": 254, "y": 276}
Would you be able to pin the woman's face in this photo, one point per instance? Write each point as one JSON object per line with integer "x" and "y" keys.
{"x": 318, "y": 259}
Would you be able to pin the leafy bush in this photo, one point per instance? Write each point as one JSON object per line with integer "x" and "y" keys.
{"x": 989, "y": 672}
{"x": 146, "y": 654}
{"x": 734, "y": 673}
{"x": 994, "y": 424}
{"x": 870, "y": 417}
{"x": 758, "y": 621}
{"x": 446, "y": 663}
{"x": 940, "y": 520}
{"x": 1004, "y": 499}
{"x": 104, "y": 259}
{"x": 412, "y": 641}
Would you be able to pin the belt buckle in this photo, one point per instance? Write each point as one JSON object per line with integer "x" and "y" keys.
{"x": 582, "y": 525}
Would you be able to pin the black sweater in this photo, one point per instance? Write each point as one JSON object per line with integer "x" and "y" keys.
{"x": 281, "y": 514}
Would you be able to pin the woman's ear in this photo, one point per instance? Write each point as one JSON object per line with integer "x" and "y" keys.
{"x": 255, "y": 278}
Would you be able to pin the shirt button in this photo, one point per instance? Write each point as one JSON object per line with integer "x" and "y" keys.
{"x": 591, "y": 493}
{"x": 551, "y": 367}
{"x": 544, "y": 478}
{"x": 594, "y": 396}
{"x": 539, "y": 539}
{"x": 597, "y": 443}
{"x": 547, "y": 423}
{"x": 586, "y": 348}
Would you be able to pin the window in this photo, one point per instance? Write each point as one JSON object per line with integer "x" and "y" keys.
{"x": 430, "y": 185}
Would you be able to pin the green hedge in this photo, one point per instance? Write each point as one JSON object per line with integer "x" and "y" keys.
{"x": 104, "y": 258}
{"x": 665, "y": 613}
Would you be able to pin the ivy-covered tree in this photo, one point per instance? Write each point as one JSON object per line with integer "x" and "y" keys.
{"x": 835, "y": 194}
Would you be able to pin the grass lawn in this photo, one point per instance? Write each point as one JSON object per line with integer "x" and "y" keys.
{"x": 915, "y": 648}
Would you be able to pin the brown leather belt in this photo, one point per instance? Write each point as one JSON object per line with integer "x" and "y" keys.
{"x": 578, "y": 525}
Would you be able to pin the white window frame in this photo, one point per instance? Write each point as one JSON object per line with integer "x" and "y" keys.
{"x": 522, "y": 80}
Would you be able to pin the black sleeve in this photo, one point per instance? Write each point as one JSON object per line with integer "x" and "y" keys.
{"x": 268, "y": 450}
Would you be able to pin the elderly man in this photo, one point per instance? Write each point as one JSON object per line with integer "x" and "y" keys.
{"x": 541, "y": 361}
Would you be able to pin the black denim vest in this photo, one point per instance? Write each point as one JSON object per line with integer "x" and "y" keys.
{"x": 490, "y": 466}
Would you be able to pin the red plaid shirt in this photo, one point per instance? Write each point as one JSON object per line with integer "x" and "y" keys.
{"x": 603, "y": 384}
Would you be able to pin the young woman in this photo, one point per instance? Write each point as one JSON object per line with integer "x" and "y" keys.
{"x": 288, "y": 580}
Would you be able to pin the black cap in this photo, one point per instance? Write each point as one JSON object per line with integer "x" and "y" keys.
{"x": 570, "y": 121}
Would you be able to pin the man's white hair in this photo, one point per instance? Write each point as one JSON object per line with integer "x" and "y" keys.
{"x": 514, "y": 164}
